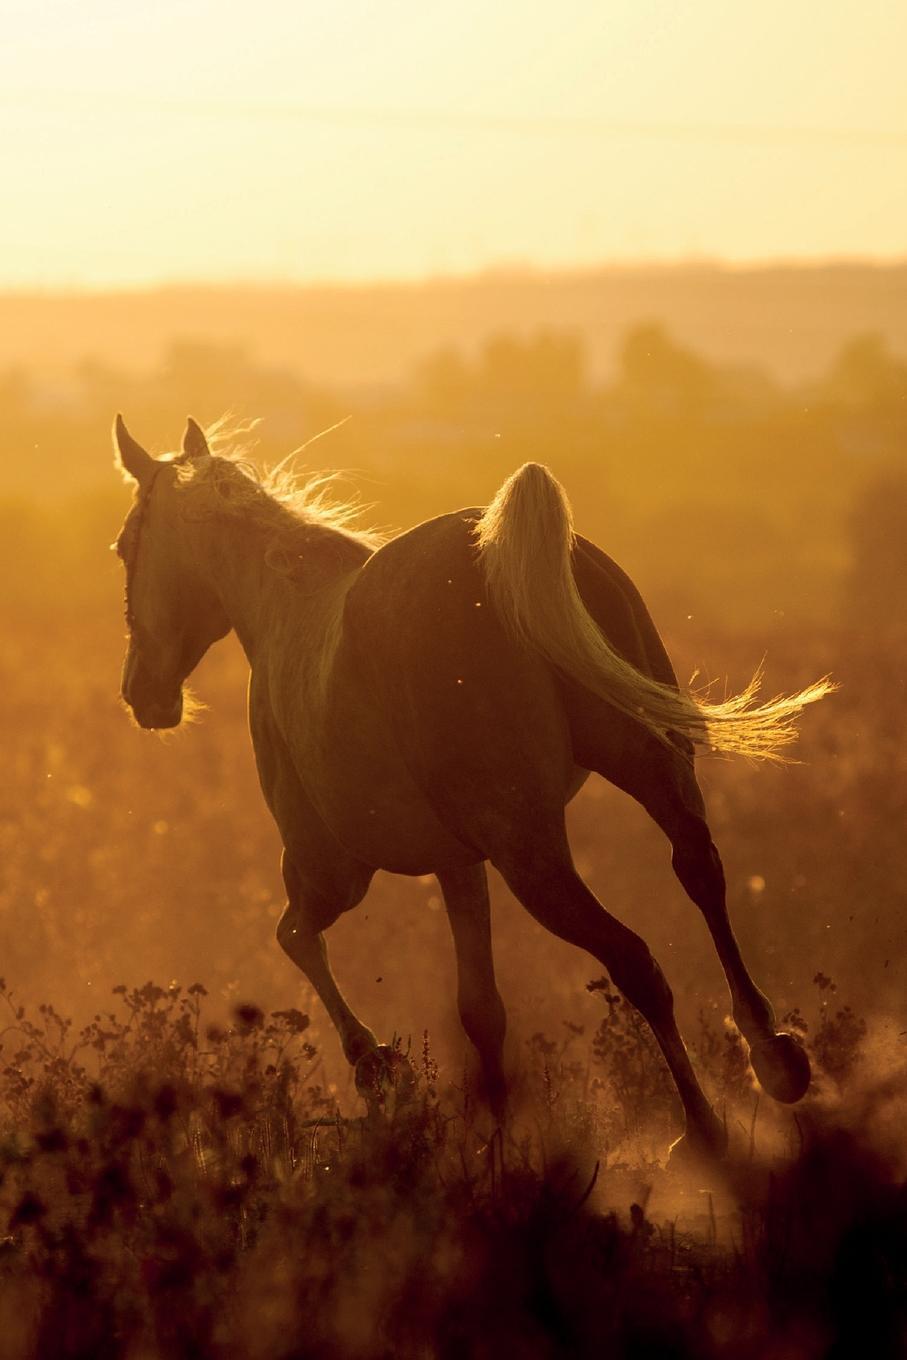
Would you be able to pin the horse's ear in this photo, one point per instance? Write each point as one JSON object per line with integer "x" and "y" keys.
{"x": 195, "y": 445}
{"x": 131, "y": 457}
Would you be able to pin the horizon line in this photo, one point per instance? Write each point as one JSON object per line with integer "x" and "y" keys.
{"x": 518, "y": 270}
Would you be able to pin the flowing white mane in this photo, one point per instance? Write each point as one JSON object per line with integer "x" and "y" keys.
{"x": 279, "y": 499}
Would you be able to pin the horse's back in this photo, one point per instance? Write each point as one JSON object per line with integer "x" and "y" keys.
{"x": 424, "y": 629}
{"x": 427, "y": 586}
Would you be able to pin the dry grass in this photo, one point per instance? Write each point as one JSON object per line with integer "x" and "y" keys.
{"x": 175, "y": 1188}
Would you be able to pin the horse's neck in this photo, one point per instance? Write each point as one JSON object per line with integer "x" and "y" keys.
{"x": 260, "y": 599}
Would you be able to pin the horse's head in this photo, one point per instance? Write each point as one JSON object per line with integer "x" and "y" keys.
{"x": 172, "y": 611}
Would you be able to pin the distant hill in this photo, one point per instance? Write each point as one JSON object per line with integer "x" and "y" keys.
{"x": 789, "y": 320}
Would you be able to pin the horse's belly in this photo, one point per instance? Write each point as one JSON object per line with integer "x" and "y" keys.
{"x": 364, "y": 793}
{"x": 388, "y": 831}
{"x": 385, "y": 820}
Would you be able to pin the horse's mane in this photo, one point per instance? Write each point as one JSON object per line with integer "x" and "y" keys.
{"x": 287, "y": 505}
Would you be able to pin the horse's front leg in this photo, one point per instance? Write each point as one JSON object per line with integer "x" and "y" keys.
{"x": 306, "y": 916}
{"x": 310, "y": 910}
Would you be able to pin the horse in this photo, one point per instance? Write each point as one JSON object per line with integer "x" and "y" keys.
{"x": 428, "y": 703}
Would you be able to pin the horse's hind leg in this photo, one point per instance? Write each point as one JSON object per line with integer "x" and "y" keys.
{"x": 307, "y": 914}
{"x": 479, "y": 1002}
{"x": 673, "y": 798}
{"x": 542, "y": 876}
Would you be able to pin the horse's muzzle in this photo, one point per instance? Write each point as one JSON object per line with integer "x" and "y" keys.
{"x": 156, "y": 716}
{"x": 151, "y": 708}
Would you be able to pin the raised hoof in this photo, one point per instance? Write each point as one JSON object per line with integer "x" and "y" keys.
{"x": 782, "y": 1068}
{"x": 385, "y": 1079}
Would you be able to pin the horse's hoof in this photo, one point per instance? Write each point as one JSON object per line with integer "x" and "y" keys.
{"x": 703, "y": 1143}
{"x": 782, "y": 1068}
{"x": 494, "y": 1089}
{"x": 385, "y": 1078}
{"x": 692, "y": 1154}
{"x": 497, "y": 1106}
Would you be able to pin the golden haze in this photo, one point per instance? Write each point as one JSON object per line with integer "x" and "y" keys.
{"x": 336, "y": 141}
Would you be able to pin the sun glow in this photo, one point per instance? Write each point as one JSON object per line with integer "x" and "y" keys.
{"x": 339, "y": 141}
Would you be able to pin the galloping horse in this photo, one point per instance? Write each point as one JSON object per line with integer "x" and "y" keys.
{"x": 428, "y": 703}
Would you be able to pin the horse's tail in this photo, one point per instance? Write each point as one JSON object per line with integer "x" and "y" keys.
{"x": 525, "y": 539}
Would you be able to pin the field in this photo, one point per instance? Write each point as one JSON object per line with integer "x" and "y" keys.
{"x": 187, "y": 1169}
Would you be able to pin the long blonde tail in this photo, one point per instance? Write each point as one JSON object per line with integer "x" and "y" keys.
{"x": 525, "y": 538}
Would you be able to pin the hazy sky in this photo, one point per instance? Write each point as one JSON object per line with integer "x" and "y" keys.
{"x": 334, "y": 139}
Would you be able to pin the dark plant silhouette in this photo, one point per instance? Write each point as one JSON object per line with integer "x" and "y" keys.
{"x": 171, "y": 1187}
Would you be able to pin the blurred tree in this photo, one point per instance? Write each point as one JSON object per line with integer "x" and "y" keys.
{"x": 443, "y": 381}
{"x": 546, "y": 370}
{"x": 866, "y": 373}
{"x": 878, "y": 569}
{"x": 540, "y": 377}
{"x": 660, "y": 379}
{"x": 15, "y": 391}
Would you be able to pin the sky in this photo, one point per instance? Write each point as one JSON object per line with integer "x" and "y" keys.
{"x": 333, "y": 140}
